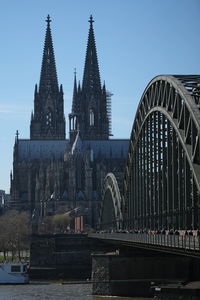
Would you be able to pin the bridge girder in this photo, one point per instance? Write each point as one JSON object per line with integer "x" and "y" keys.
{"x": 111, "y": 214}
{"x": 162, "y": 175}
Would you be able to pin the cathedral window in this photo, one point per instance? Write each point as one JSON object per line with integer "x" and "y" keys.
{"x": 73, "y": 123}
{"x": 91, "y": 117}
{"x": 49, "y": 119}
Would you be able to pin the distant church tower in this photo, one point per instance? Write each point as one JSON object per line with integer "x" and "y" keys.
{"x": 48, "y": 121}
{"x": 90, "y": 107}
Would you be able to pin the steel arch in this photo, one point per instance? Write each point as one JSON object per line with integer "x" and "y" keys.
{"x": 111, "y": 214}
{"x": 162, "y": 175}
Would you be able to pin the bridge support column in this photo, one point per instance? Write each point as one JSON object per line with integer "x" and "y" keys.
{"x": 132, "y": 275}
{"x": 101, "y": 274}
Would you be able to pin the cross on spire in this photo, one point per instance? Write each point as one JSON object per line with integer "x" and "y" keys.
{"x": 91, "y": 20}
{"x": 48, "y": 20}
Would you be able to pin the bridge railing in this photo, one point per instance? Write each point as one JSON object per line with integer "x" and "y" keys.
{"x": 186, "y": 242}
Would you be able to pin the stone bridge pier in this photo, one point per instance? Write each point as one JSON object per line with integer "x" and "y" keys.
{"x": 133, "y": 273}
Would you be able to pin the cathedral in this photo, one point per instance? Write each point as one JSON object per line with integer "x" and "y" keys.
{"x": 52, "y": 173}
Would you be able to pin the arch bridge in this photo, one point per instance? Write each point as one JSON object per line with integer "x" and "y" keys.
{"x": 111, "y": 213}
{"x": 162, "y": 173}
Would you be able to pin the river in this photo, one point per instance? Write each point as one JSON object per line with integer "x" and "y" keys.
{"x": 52, "y": 291}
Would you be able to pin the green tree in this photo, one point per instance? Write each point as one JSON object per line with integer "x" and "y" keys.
{"x": 61, "y": 222}
{"x": 14, "y": 233}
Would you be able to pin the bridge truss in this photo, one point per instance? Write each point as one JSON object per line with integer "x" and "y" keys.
{"x": 162, "y": 176}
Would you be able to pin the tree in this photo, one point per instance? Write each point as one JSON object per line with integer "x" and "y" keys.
{"x": 3, "y": 236}
{"x": 61, "y": 221}
{"x": 14, "y": 232}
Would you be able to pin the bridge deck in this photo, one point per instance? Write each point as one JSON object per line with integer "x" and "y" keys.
{"x": 185, "y": 245}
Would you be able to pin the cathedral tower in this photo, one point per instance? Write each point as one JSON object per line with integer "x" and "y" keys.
{"x": 48, "y": 121}
{"x": 90, "y": 115}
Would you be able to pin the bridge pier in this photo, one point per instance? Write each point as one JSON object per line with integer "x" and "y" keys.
{"x": 133, "y": 274}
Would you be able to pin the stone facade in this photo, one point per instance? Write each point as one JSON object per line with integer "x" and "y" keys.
{"x": 52, "y": 173}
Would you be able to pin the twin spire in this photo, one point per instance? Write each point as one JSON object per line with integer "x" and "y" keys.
{"x": 91, "y": 84}
{"x": 48, "y": 77}
{"x": 89, "y": 105}
{"x": 91, "y": 76}
{"x": 48, "y": 120}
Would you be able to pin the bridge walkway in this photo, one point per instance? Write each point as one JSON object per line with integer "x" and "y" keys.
{"x": 175, "y": 244}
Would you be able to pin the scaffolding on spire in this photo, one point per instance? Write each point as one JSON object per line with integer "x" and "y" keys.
{"x": 109, "y": 110}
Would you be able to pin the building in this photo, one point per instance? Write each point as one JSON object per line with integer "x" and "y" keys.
{"x": 4, "y": 201}
{"x": 52, "y": 173}
{"x": 2, "y": 197}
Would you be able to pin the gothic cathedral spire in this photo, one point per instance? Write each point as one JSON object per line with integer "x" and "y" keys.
{"x": 91, "y": 77}
{"x": 92, "y": 116}
{"x": 75, "y": 91}
{"x": 48, "y": 120}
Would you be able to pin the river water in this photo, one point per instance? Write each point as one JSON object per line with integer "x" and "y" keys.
{"x": 53, "y": 291}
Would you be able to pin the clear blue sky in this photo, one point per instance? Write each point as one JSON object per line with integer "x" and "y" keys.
{"x": 136, "y": 41}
